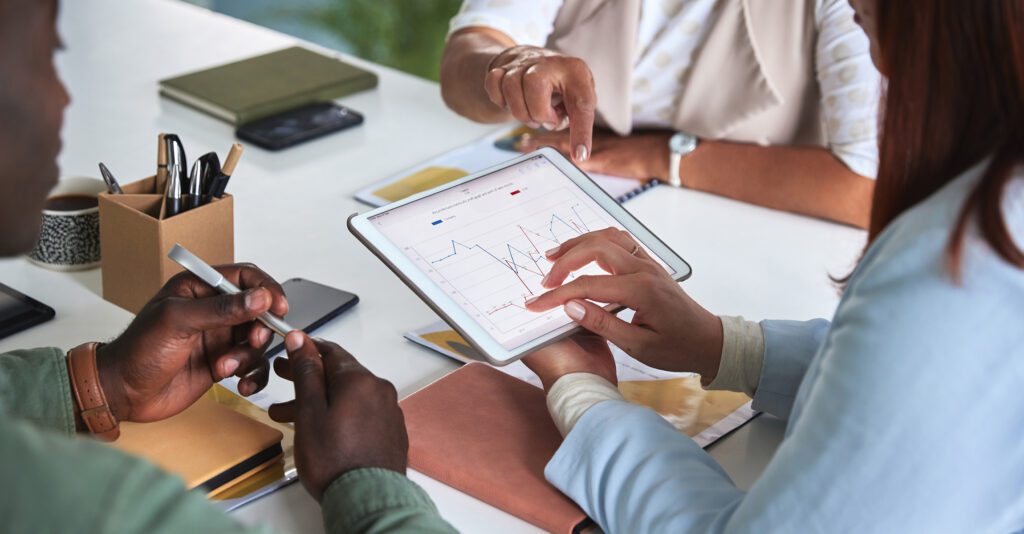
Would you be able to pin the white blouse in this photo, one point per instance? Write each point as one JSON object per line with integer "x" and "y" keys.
{"x": 670, "y": 32}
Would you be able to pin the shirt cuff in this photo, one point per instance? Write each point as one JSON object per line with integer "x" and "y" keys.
{"x": 34, "y": 387}
{"x": 575, "y": 393}
{"x": 742, "y": 356}
{"x": 358, "y": 499}
{"x": 497, "y": 23}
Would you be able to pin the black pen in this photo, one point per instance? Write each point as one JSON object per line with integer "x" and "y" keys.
{"x": 173, "y": 196}
{"x": 209, "y": 171}
{"x": 220, "y": 183}
{"x": 195, "y": 186}
{"x": 176, "y": 161}
{"x": 113, "y": 187}
{"x": 174, "y": 174}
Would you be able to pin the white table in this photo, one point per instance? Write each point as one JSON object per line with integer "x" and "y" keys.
{"x": 291, "y": 206}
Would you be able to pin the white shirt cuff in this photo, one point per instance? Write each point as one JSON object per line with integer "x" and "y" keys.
{"x": 575, "y": 393}
{"x": 742, "y": 356}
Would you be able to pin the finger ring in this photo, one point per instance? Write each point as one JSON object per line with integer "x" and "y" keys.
{"x": 636, "y": 247}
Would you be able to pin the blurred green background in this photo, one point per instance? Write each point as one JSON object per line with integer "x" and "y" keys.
{"x": 404, "y": 34}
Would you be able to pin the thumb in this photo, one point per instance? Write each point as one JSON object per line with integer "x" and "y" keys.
{"x": 599, "y": 321}
{"x": 222, "y": 311}
{"x": 307, "y": 369}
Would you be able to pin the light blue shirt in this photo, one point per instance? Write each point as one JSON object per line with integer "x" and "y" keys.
{"x": 906, "y": 413}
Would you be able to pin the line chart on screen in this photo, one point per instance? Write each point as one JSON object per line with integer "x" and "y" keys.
{"x": 497, "y": 262}
{"x": 482, "y": 243}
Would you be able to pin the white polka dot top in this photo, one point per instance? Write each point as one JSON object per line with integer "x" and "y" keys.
{"x": 670, "y": 34}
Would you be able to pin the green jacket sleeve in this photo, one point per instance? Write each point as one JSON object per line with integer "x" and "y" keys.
{"x": 34, "y": 387}
{"x": 59, "y": 482}
{"x": 374, "y": 500}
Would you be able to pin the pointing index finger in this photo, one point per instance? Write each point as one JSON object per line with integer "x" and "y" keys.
{"x": 580, "y": 102}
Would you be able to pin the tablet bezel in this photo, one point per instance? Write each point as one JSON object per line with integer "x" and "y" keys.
{"x": 33, "y": 314}
{"x": 438, "y": 300}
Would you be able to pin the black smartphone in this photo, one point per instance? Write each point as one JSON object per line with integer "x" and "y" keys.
{"x": 311, "y": 305}
{"x": 298, "y": 125}
{"x": 20, "y": 312}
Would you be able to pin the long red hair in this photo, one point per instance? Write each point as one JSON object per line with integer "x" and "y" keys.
{"x": 955, "y": 95}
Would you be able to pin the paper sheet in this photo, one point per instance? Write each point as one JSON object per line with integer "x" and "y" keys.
{"x": 476, "y": 156}
{"x": 703, "y": 415}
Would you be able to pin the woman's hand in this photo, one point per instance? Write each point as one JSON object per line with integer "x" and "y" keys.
{"x": 642, "y": 155}
{"x": 542, "y": 87}
{"x": 582, "y": 353}
{"x": 669, "y": 330}
{"x": 185, "y": 339}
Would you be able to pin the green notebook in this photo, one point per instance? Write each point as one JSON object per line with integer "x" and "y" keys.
{"x": 265, "y": 85}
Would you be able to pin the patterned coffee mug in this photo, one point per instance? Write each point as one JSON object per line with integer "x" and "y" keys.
{"x": 69, "y": 239}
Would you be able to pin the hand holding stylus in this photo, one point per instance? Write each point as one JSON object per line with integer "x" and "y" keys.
{"x": 185, "y": 339}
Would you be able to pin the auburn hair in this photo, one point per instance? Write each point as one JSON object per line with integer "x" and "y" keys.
{"x": 954, "y": 96}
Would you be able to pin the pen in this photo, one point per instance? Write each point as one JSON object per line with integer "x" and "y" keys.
{"x": 195, "y": 183}
{"x": 113, "y": 187}
{"x": 209, "y": 171}
{"x": 220, "y": 183}
{"x": 161, "y": 164}
{"x": 176, "y": 177}
{"x": 173, "y": 202}
{"x": 177, "y": 164}
{"x": 208, "y": 274}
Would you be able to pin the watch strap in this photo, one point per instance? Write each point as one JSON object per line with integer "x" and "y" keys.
{"x": 679, "y": 145}
{"x": 674, "y": 177}
{"x": 88, "y": 392}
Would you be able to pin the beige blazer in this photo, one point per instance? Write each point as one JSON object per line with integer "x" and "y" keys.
{"x": 754, "y": 80}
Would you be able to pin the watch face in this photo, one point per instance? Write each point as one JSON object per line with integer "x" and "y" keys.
{"x": 682, "y": 143}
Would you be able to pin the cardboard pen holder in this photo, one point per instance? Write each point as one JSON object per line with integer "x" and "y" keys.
{"x": 134, "y": 241}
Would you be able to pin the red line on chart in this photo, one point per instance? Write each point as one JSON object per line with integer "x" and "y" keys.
{"x": 510, "y": 262}
{"x": 516, "y": 272}
{"x": 537, "y": 250}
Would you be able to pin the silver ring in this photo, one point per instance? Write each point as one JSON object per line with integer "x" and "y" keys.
{"x": 636, "y": 248}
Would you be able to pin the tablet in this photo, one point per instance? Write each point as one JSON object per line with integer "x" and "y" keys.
{"x": 19, "y": 312}
{"x": 473, "y": 249}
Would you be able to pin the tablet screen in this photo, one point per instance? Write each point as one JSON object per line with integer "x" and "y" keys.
{"x": 12, "y": 308}
{"x": 483, "y": 243}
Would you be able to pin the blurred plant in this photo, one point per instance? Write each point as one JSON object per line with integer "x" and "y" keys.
{"x": 405, "y": 34}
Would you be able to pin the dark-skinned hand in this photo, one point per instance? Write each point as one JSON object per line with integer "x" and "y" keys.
{"x": 641, "y": 155}
{"x": 186, "y": 338}
{"x": 345, "y": 417}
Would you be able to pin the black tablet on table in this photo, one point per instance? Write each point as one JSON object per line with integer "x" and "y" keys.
{"x": 19, "y": 312}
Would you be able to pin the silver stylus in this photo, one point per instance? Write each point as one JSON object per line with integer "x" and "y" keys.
{"x": 208, "y": 274}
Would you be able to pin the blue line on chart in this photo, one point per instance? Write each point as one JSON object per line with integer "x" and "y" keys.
{"x": 584, "y": 223}
{"x": 511, "y": 263}
{"x": 513, "y": 266}
{"x": 551, "y": 228}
